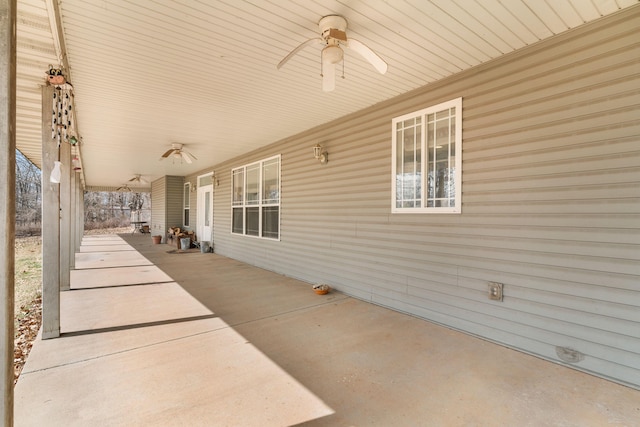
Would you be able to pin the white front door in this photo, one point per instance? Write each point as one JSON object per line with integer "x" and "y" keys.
{"x": 205, "y": 213}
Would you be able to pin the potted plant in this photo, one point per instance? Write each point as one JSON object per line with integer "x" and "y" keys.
{"x": 321, "y": 289}
{"x": 156, "y": 239}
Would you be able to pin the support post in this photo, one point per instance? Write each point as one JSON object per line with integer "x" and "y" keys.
{"x": 7, "y": 201}
{"x": 74, "y": 218}
{"x": 65, "y": 216}
{"x": 50, "y": 225}
{"x": 80, "y": 233}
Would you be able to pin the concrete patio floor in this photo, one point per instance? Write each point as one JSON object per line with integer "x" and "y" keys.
{"x": 151, "y": 338}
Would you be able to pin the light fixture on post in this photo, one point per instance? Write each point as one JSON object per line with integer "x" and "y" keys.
{"x": 320, "y": 154}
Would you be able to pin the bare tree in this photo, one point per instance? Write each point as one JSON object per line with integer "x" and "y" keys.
{"x": 113, "y": 209}
{"x": 102, "y": 209}
{"x": 28, "y": 195}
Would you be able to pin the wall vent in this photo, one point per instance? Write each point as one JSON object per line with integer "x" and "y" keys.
{"x": 569, "y": 355}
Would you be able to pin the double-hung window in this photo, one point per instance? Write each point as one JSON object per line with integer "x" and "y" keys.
{"x": 255, "y": 202}
{"x": 186, "y": 199}
{"x": 427, "y": 160}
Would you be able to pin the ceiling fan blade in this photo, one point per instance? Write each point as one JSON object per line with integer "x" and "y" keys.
{"x": 186, "y": 157}
{"x": 138, "y": 179}
{"x": 373, "y": 58}
{"x": 328, "y": 76}
{"x": 168, "y": 153}
{"x": 297, "y": 49}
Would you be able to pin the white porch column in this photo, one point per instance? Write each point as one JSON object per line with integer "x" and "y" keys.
{"x": 7, "y": 200}
{"x": 50, "y": 225}
{"x": 73, "y": 204}
{"x": 80, "y": 225}
{"x": 65, "y": 215}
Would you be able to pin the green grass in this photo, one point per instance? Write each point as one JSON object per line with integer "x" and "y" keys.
{"x": 28, "y": 273}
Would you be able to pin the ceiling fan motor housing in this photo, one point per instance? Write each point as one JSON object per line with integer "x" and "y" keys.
{"x": 333, "y": 26}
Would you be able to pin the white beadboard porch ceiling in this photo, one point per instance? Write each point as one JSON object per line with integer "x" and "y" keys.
{"x": 148, "y": 73}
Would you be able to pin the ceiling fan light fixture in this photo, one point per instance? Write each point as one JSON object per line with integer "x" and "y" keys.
{"x": 332, "y": 54}
{"x": 328, "y": 77}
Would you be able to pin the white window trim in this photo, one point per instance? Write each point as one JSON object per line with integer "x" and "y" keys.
{"x": 457, "y": 103}
{"x": 185, "y": 206}
{"x": 259, "y": 205}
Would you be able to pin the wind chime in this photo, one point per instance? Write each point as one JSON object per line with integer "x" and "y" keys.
{"x": 62, "y": 114}
{"x": 62, "y": 119}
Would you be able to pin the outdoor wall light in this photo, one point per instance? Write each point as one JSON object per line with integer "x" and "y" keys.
{"x": 320, "y": 154}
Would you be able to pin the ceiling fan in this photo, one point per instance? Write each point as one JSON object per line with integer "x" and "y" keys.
{"x": 177, "y": 152}
{"x": 138, "y": 178}
{"x": 124, "y": 188}
{"x": 333, "y": 35}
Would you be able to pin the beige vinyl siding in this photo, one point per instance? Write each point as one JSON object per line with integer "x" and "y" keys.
{"x": 550, "y": 204}
{"x": 166, "y": 205}
{"x": 158, "y": 207}
{"x": 175, "y": 189}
